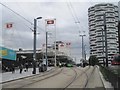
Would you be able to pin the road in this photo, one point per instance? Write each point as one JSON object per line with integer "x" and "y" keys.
{"x": 61, "y": 78}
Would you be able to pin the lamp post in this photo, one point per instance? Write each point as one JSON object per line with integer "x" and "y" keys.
{"x": 82, "y": 45}
{"x": 103, "y": 46}
{"x": 85, "y": 52}
{"x": 46, "y": 49}
{"x": 106, "y": 51}
{"x": 34, "y": 54}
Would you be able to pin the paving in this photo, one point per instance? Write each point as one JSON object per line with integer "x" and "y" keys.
{"x": 95, "y": 80}
{"x": 8, "y": 76}
{"x": 61, "y": 80}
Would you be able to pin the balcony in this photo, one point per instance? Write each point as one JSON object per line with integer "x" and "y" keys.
{"x": 92, "y": 23}
{"x": 111, "y": 37}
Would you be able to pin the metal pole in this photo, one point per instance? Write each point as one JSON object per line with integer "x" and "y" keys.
{"x": 55, "y": 42}
{"x": 119, "y": 34}
{"x": 82, "y": 46}
{"x": 46, "y": 49}
{"x": 84, "y": 52}
{"x": 34, "y": 54}
{"x": 103, "y": 47}
{"x": 105, "y": 40}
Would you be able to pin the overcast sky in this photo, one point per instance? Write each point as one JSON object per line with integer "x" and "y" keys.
{"x": 67, "y": 30}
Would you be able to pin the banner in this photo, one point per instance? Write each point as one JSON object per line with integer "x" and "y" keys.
{"x": 6, "y": 53}
{"x": 50, "y": 21}
{"x": 9, "y": 25}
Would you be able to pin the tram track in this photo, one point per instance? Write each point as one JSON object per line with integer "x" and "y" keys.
{"x": 92, "y": 76}
{"x": 87, "y": 73}
{"x": 88, "y": 77}
{"x": 33, "y": 79}
{"x": 73, "y": 79}
{"x": 65, "y": 77}
{"x": 76, "y": 76}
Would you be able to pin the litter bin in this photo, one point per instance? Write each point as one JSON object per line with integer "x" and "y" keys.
{"x": 43, "y": 67}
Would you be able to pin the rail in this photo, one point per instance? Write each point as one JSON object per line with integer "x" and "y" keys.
{"x": 76, "y": 76}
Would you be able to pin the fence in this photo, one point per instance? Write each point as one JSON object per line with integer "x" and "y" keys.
{"x": 111, "y": 76}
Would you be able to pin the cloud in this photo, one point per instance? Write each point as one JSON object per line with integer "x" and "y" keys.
{"x": 66, "y": 28}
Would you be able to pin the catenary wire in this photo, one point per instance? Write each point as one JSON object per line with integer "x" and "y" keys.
{"x": 21, "y": 16}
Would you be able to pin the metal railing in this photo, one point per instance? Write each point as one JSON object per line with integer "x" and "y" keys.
{"x": 111, "y": 76}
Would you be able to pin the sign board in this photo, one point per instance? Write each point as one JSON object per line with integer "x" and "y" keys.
{"x": 9, "y": 25}
{"x": 50, "y": 21}
{"x": 6, "y": 53}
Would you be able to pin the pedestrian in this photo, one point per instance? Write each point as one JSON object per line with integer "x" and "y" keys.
{"x": 21, "y": 68}
{"x": 13, "y": 68}
{"x": 26, "y": 66}
{"x": 39, "y": 66}
{"x": 60, "y": 64}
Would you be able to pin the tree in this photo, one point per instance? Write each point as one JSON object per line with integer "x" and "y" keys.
{"x": 93, "y": 60}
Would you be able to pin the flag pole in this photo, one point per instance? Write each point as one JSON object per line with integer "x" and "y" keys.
{"x": 46, "y": 51}
{"x": 55, "y": 42}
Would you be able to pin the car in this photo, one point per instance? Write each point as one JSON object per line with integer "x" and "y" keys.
{"x": 116, "y": 60}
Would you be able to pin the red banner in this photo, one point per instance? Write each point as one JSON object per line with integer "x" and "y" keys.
{"x": 68, "y": 43}
{"x": 50, "y": 21}
{"x": 9, "y": 25}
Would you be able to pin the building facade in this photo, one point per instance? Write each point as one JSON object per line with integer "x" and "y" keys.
{"x": 97, "y": 30}
{"x": 119, "y": 25}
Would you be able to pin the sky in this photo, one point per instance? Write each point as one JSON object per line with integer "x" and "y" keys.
{"x": 66, "y": 12}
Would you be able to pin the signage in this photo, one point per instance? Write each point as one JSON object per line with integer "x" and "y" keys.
{"x": 6, "y": 53}
{"x": 9, "y": 25}
{"x": 50, "y": 21}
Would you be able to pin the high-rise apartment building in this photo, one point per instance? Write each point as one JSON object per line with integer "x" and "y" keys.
{"x": 97, "y": 31}
{"x": 119, "y": 25}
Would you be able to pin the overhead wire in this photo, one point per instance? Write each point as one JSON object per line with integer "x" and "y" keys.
{"x": 71, "y": 11}
{"x": 74, "y": 15}
{"x": 21, "y": 16}
{"x": 74, "y": 12}
{"x": 22, "y": 23}
{"x": 10, "y": 39}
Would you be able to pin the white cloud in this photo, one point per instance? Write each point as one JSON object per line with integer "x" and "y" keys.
{"x": 67, "y": 30}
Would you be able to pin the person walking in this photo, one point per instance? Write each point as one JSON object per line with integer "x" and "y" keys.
{"x": 21, "y": 68}
{"x": 39, "y": 66}
{"x": 26, "y": 66}
{"x": 60, "y": 64}
{"x": 13, "y": 68}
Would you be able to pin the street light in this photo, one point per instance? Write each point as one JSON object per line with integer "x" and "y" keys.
{"x": 103, "y": 46}
{"x": 83, "y": 58}
{"x": 34, "y": 54}
{"x": 106, "y": 55}
{"x": 82, "y": 45}
{"x": 85, "y": 52}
